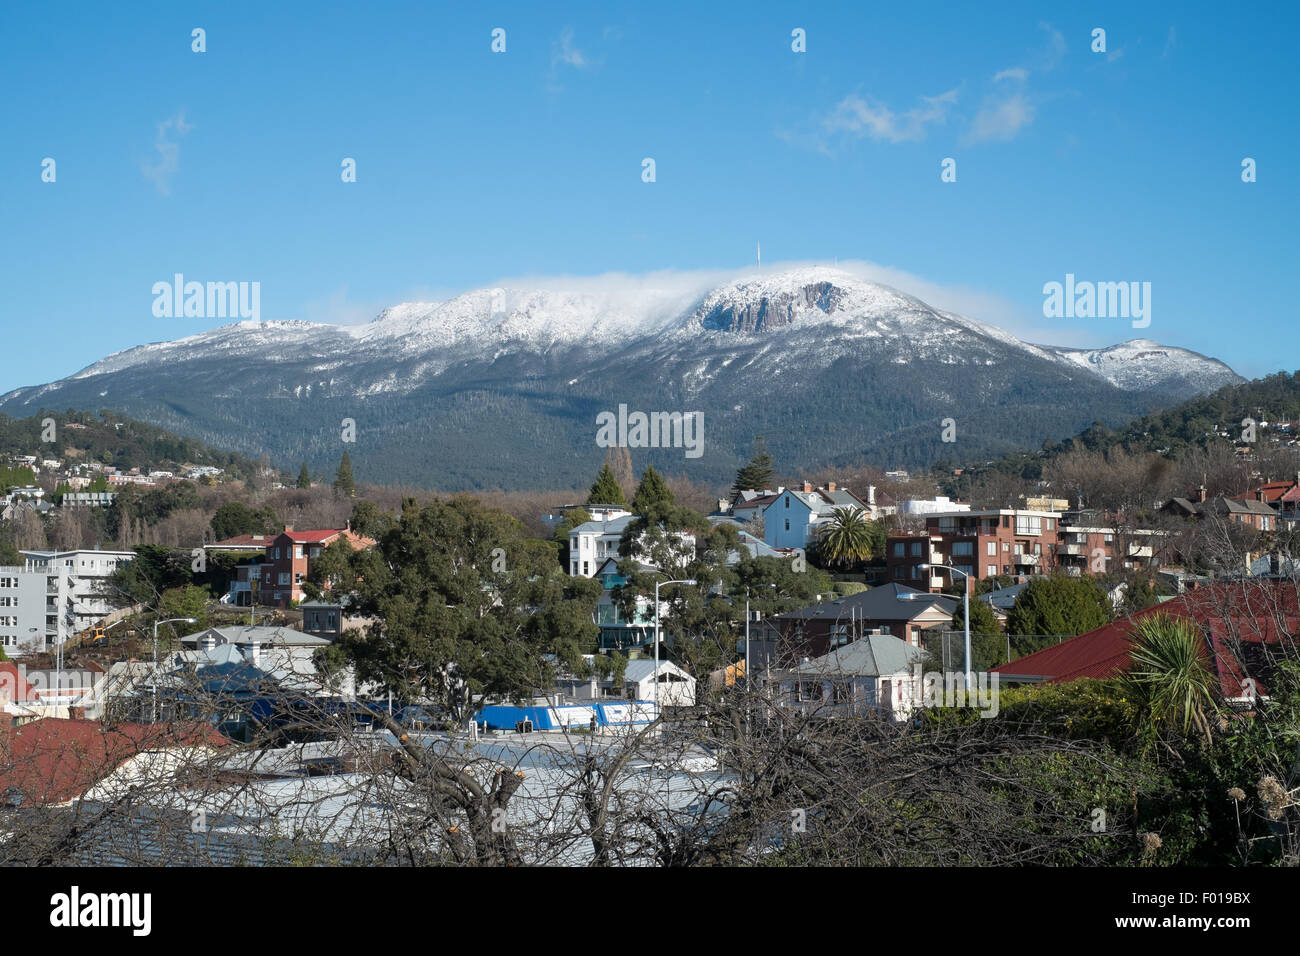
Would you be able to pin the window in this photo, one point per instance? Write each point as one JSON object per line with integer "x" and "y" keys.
{"x": 297, "y": 577}
{"x": 916, "y": 549}
{"x": 898, "y": 549}
{"x": 916, "y": 570}
{"x": 787, "y": 524}
{"x": 898, "y": 570}
{"x": 787, "y": 501}
{"x": 963, "y": 548}
{"x": 1029, "y": 524}
{"x": 810, "y": 690}
{"x": 991, "y": 570}
{"x": 284, "y": 577}
{"x": 297, "y": 551}
{"x": 843, "y": 691}
{"x": 277, "y": 554}
{"x": 993, "y": 549}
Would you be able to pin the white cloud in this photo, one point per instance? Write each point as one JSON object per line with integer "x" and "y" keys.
{"x": 863, "y": 117}
{"x": 565, "y": 53}
{"x": 1015, "y": 73}
{"x": 169, "y": 153}
{"x": 1000, "y": 119}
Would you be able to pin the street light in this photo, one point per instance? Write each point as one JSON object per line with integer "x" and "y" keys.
{"x": 914, "y": 596}
{"x": 692, "y": 582}
{"x": 170, "y": 620}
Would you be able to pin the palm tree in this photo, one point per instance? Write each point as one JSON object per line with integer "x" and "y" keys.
{"x": 846, "y": 538}
{"x": 1170, "y": 674}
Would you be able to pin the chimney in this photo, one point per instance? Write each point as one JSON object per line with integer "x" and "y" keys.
{"x": 77, "y": 713}
{"x": 1259, "y": 494}
{"x": 1200, "y": 494}
{"x": 288, "y": 529}
{"x": 871, "y": 495}
{"x": 830, "y": 486}
{"x": 807, "y": 487}
{"x": 254, "y": 654}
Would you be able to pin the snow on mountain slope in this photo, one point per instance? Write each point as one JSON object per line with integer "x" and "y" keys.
{"x": 1144, "y": 364}
{"x": 803, "y": 317}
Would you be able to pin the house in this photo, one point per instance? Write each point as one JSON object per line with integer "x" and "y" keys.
{"x": 288, "y": 561}
{"x": 88, "y": 499}
{"x": 284, "y": 654}
{"x": 748, "y": 505}
{"x": 56, "y": 762}
{"x": 593, "y": 542}
{"x": 242, "y": 542}
{"x": 330, "y": 619}
{"x": 676, "y": 686}
{"x": 890, "y": 609}
{"x": 876, "y": 674}
{"x": 795, "y": 517}
{"x": 1255, "y": 511}
{"x": 1241, "y": 622}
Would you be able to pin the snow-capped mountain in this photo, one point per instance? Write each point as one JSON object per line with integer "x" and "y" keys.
{"x": 1142, "y": 364}
{"x": 502, "y": 385}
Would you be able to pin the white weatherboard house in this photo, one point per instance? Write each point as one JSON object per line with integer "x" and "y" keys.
{"x": 795, "y": 517}
{"x": 873, "y": 675}
{"x": 594, "y": 542}
{"x": 676, "y": 686}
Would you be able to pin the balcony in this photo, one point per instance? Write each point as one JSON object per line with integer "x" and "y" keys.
{"x": 1076, "y": 549}
{"x": 1031, "y": 560}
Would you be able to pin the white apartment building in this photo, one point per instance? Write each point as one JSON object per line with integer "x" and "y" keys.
{"x": 22, "y": 610}
{"x": 72, "y": 583}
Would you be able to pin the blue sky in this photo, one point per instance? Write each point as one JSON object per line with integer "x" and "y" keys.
{"x": 474, "y": 166}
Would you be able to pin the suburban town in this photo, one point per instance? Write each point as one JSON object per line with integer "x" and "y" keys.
{"x": 778, "y": 439}
{"x": 247, "y": 663}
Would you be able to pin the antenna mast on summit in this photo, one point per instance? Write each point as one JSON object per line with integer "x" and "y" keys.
{"x": 759, "y": 247}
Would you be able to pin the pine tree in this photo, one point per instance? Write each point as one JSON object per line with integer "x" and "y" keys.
{"x": 757, "y": 475}
{"x": 304, "y": 477}
{"x": 651, "y": 493}
{"x": 606, "y": 490}
{"x": 344, "y": 483}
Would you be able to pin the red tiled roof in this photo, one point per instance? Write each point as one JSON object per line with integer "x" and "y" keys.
{"x": 53, "y": 760}
{"x": 1235, "y": 617}
{"x": 327, "y": 536}
{"x": 251, "y": 541}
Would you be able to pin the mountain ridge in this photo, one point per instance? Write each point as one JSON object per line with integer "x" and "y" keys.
{"x": 532, "y": 367}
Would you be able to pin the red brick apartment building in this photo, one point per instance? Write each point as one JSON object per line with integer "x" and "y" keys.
{"x": 998, "y": 541}
{"x": 288, "y": 561}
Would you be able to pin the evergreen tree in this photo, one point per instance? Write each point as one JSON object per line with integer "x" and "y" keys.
{"x": 606, "y": 490}
{"x": 652, "y": 494}
{"x": 304, "y": 477}
{"x": 757, "y": 475}
{"x": 1058, "y": 604}
{"x": 344, "y": 483}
